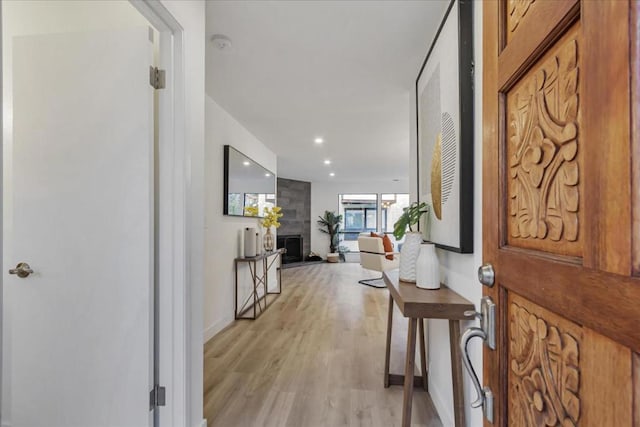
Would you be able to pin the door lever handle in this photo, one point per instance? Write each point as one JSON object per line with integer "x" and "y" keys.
{"x": 22, "y": 270}
{"x": 464, "y": 340}
{"x": 485, "y": 395}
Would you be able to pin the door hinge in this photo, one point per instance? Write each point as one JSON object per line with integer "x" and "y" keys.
{"x": 157, "y": 397}
{"x": 157, "y": 77}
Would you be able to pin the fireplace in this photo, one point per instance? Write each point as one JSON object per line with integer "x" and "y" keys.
{"x": 293, "y": 245}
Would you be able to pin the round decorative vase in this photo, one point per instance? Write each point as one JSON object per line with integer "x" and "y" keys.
{"x": 409, "y": 255}
{"x": 268, "y": 240}
{"x": 428, "y": 267}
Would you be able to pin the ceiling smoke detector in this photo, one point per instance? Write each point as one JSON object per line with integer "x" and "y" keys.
{"x": 221, "y": 41}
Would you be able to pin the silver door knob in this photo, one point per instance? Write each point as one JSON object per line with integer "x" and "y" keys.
{"x": 22, "y": 270}
{"x": 486, "y": 275}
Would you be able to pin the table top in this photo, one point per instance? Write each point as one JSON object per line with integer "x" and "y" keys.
{"x": 259, "y": 256}
{"x": 414, "y": 302}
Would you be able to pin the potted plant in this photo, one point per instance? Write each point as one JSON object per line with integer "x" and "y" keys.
{"x": 409, "y": 218}
{"x": 330, "y": 224}
{"x": 423, "y": 271}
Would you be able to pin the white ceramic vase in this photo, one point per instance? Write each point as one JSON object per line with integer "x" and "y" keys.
{"x": 409, "y": 255}
{"x": 250, "y": 242}
{"x": 428, "y": 267}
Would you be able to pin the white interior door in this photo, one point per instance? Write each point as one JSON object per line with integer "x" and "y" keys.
{"x": 77, "y": 333}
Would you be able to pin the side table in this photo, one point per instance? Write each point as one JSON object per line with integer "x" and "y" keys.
{"x": 418, "y": 304}
{"x": 258, "y": 278}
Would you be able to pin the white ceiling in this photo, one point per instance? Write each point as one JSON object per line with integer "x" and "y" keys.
{"x": 342, "y": 70}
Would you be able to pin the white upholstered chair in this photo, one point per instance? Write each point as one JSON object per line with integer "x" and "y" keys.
{"x": 373, "y": 257}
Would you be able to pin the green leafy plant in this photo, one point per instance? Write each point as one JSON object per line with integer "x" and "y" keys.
{"x": 410, "y": 217}
{"x": 330, "y": 224}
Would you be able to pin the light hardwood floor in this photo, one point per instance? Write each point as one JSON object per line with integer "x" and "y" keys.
{"x": 314, "y": 358}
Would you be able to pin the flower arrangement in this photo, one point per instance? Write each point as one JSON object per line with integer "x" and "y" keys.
{"x": 271, "y": 216}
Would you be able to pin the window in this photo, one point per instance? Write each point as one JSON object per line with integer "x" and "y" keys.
{"x": 360, "y": 214}
{"x": 391, "y": 207}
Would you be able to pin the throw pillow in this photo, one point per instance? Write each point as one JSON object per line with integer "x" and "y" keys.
{"x": 386, "y": 243}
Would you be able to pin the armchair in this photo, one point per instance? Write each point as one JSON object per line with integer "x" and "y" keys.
{"x": 374, "y": 257}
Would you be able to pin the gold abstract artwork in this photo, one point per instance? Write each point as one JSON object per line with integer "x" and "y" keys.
{"x": 436, "y": 177}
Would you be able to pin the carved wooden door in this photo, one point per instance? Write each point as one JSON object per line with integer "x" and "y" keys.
{"x": 561, "y": 210}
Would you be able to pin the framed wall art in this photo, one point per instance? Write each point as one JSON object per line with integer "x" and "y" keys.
{"x": 444, "y": 108}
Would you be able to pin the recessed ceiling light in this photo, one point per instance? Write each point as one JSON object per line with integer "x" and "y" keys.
{"x": 246, "y": 163}
{"x": 327, "y": 162}
{"x": 318, "y": 140}
{"x": 267, "y": 174}
{"x": 332, "y": 174}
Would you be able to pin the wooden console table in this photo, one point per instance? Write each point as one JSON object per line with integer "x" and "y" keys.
{"x": 419, "y": 304}
{"x": 258, "y": 278}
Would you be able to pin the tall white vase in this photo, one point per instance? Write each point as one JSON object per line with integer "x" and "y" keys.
{"x": 250, "y": 241}
{"x": 428, "y": 267}
{"x": 409, "y": 255}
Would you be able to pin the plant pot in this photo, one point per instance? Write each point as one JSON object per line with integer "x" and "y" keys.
{"x": 428, "y": 267}
{"x": 333, "y": 257}
{"x": 409, "y": 255}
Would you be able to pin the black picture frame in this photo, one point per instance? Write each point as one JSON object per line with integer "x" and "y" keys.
{"x": 465, "y": 130}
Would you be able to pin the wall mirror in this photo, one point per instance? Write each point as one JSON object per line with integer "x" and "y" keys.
{"x": 246, "y": 183}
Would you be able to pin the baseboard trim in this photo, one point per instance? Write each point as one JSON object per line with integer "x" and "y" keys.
{"x": 443, "y": 410}
{"x": 212, "y": 330}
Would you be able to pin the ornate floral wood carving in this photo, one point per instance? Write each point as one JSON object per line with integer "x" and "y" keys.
{"x": 517, "y": 10}
{"x": 545, "y": 372}
{"x": 543, "y": 148}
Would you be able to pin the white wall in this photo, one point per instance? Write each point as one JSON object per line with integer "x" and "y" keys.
{"x": 190, "y": 15}
{"x": 458, "y": 271}
{"x": 324, "y": 197}
{"x": 222, "y": 233}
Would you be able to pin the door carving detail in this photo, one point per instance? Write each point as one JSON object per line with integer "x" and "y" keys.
{"x": 545, "y": 372}
{"x": 543, "y": 150}
{"x": 517, "y": 10}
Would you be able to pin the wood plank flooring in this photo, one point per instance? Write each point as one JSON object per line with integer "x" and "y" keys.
{"x": 314, "y": 358}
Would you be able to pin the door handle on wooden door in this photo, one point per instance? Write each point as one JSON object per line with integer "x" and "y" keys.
{"x": 470, "y": 333}
{"x": 487, "y": 333}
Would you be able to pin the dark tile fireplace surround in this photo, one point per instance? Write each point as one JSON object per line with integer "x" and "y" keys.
{"x": 294, "y": 233}
{"x": 293, "y": 245}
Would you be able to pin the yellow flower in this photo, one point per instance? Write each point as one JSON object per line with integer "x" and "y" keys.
{"x": 271, "y": 216}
